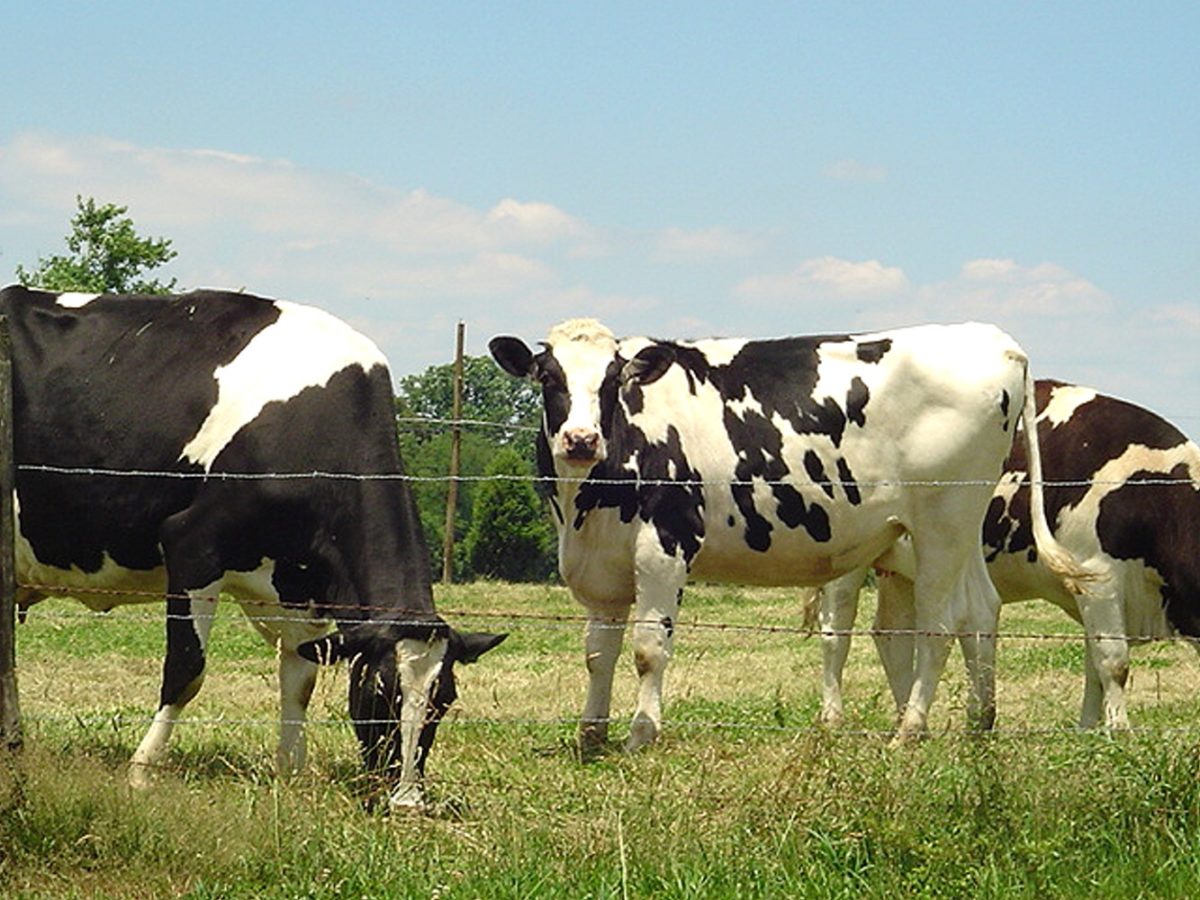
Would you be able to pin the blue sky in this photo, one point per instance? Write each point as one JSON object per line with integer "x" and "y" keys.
{"x": 677, "y": 169}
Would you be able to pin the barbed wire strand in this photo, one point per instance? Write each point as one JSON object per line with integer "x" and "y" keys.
{"x": 556, "y": 621}
{"x": 632, "y": 481}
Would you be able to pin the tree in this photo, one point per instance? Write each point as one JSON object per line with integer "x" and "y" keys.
{"x": 510, "y": 536}
{"x": 489, "y": 396}
{"x": 107, "y": 256}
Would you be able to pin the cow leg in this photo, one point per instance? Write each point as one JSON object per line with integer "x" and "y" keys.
{"x": 297, "y": 676}
{"x": 949, "y": 563}
{"x": 895, "y": 621}
{"x": 660, "y": 580}
{"x": 602, "y": 641}
{"x": 1093, "y": 693}
{"x": 297, "y": 679}
{"x": 838, "y": 609}
{"x": 189, "y": 621}
{"x": 977, "y": 622}
{"x": 1107, "y": 650}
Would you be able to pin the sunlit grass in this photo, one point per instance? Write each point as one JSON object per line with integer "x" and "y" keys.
{"x": 743, "y": 796}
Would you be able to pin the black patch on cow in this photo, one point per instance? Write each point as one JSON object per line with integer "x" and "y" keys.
{"x": 997, "y": 527}
{"x": 816, "y": 472}
{"x": 1005, "y": 402}
{"x": 556, "y": 401}
{"x": 1155, "y": 522}
{"x": 873, "y": 351}
{"x": 856, "y": 401}
{"x": 849, "y": 484}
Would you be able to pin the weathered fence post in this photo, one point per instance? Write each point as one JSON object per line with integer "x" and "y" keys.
{"x": 455, "y": 452}
{"x": 10, "y": 711}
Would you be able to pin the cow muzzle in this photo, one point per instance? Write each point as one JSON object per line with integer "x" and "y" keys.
{"x": 582, "y": 445}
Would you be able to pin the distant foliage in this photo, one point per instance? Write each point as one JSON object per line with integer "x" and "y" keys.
{"x": 510, "y": 537}
{"x": 489, "y": 396}
{"x": 106, "y": 256}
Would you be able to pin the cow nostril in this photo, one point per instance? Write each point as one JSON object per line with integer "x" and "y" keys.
{"x": 581, "y": 444}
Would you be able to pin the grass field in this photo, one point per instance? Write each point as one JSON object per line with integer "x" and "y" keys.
{"x": 743, "y": 796}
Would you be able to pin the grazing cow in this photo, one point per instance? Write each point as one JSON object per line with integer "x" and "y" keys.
{"x": 786, "y": 461}
{"x": 1122, "y": 495}
{"x": 171, "y": 445}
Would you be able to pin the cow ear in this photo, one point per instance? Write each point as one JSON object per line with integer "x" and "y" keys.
{"x": 327, "y": 650}
{"x": 513, "y": 355}
{"x": 372, "y": 638}
{"x": 468, "y": 647}
{"x": 649, "y": 365}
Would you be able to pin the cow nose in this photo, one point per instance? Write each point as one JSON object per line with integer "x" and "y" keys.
{"x": 581, "y": 443}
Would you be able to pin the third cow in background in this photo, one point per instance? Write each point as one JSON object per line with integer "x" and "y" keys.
{"x": 1121, "y": 495}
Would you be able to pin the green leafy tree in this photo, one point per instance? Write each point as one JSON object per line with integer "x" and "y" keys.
{"x": 106, "y": 256}
{"x": 510, "y": 537}
{"x": 511, "y": 410}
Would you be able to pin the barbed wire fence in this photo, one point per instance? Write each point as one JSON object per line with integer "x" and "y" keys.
{"x": 525, "y": 621}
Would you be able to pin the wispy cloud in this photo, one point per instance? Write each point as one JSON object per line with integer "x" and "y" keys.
{"x": 826, "y": 275}
{"x": 678, "y": 245}
{"x": 853, "y": 170}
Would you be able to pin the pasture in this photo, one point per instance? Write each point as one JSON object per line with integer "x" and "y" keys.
{"x": 742, "y": 797}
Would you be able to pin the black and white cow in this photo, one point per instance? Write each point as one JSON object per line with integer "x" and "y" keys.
{"x": 194, "y": 390}
{"x": 786, "y": 461}
{"x": 1122, "y": 494}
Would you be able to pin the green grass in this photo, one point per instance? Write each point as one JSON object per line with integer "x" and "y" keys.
{"x": 742, "y": 797}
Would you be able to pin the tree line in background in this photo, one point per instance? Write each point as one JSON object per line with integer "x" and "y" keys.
{"x": 502, "y": 529}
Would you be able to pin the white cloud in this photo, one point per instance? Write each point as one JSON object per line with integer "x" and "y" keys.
{"x": 826, "y": 275}
{"x": 536, "y": 222}
{"x": 171, "y": 189}
{"x": 1184, "y": 315}
{"x": 999, "y": 289}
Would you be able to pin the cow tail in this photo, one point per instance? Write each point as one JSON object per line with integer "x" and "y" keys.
{"x": 1057, "y": 558}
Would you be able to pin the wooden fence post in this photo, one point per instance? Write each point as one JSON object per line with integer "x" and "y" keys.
{"x": 10, "y": 711}
{"x": 455, "y": 453}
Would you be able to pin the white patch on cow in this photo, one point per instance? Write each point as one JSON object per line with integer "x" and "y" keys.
{"x": 419, "y": 663}
{"x": 837, "y": 366}
{"x": 75, "y": 299}
{"x": 583, "y": 349}
{"x": 1064, "y": 400}
{"x": 304, "y": 348}
{"x": 718, "y": 351}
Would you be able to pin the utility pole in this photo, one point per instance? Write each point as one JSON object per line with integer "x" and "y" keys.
{"x": 10, "y": 711}
{"x": 455, "y": 453}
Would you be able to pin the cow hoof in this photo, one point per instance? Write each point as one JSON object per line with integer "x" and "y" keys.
{"x": 831, "y": 719}
{"x": 140, "y": 776}
{"x": 643, "y": 731}
{"x": 591, "y": 740}
{"x": 408, "y": 799}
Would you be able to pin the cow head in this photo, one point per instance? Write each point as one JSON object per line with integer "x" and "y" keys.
{"x": 401, "y": 684}
{"x": 581, "y": 371}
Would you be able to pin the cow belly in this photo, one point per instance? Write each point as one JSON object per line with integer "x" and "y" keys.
{"x": 599, "y": 572}
{"x": 1017, "y": 579}
{"x": 112, "y": 585}
{"x": 793, "y": 558}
